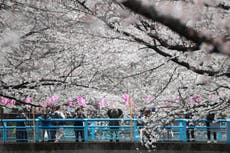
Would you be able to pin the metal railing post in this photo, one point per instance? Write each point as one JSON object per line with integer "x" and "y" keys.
{"x": 86, "y": 130}
{"x": 4, "y": 131}
{"x": 228, "y": 131}
{"x": 219, "y": 133}
{"x": 183, "y": 130}
{"x": 93, "y": 130}
{"x": 135, "y": 130}
{"x": 36, "y": 130}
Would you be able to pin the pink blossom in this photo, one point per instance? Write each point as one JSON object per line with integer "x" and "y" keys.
{"x": 126, "y": 99}
{"x": 167, "y": 104}
{"x": 12, "y": 102}
{"x": 46, "y": 103}
{"x": 81, "y": 101}
{"x": 71, "y": 104}
{"x": 102, "y": 103}
{"x": 148, "y": 99}
{"x": 70, "y": 99}
{"x": 195, "y": 99}
{"x": 54, "y": 99}
{"x": 198, "y": 100}
{"x": 4, "y": 100}
{"x": 192, "y": 100}
{"x": 28, "y": 100}
{"x": 177, "y": 98}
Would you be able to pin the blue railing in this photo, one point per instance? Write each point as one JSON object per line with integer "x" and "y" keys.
{"x": 99, "y": 129}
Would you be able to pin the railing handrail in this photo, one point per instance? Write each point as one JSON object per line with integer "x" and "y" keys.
{"x": 73, "y": 119}
{"x": 181, "y": 127}
{"x": 107, "y": 119}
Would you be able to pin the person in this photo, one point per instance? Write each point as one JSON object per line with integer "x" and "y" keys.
{"x": 79, "y": 130}
{"x": 114, "y": 129}
{"x": 45, "y": 123}
{"x": 21, "y": 133}
{"x": 145, "y": 114}
{"x": 211, "y": 126}
{"x": 52, "y": 128}
{"x": 141, "y": 115}
{"x": 58, "y": 114}
{"x": 189, "y": 126}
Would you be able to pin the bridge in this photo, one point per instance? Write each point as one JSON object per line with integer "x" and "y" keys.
{"x": 96, "y": 136}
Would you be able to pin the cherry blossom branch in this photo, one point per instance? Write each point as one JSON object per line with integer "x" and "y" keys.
{"x": 19, "y": 102}
{"x": 220, "y": 5}
{"x": 178, "y": 47}
{"x": 34, "y": 84}
{"x": 176, "y": 59}
{"x": 149, "y": 11}
{"x": 166, "y": 85}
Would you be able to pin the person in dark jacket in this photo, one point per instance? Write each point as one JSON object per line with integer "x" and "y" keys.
{"x": 211, "y": 125}
{"x": 52, "y": 128}
{"x": 114, "y": 129}
{"x": 21, "y": 133}
{"x": 79, "y": 130}
{"x": 189, "y": 126}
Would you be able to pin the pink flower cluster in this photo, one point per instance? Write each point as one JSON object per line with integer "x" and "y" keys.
{"x": 7, "y": 102}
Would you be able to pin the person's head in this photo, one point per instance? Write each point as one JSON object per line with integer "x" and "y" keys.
{"x": 153, "y": 109}
{"x": 21, "y": 113}
{"x": 79, "y": 110}
{"x": 147, "y": 113}
{"x": 58, "y": 107}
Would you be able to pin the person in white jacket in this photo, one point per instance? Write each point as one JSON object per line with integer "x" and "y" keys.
{"x": 60, "y": 131}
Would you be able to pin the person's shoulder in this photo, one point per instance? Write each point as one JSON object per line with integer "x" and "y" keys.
{"x": 62, "y": 115}
{"x": 40, "y": 117}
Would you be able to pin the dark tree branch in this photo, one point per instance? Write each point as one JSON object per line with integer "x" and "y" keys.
{"x": 220, "y": 5}
{"x": 148, "y": 70}
{"x": 177, "y": 47}
{"x": 166, "y": 85}
{"x": 19, "y": 102}
{"x": 174, "y": 24}
{"x": 34, "y": 84}
{"x": 73, "y": 69}
{"x": 164, "y": 43}
{"x": 176, "y": 59}
{"x": 33, "y": 32}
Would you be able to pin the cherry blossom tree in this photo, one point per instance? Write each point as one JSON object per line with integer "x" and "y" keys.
{"x": 163, "y": 54}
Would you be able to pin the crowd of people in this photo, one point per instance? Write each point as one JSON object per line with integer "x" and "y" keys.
{"x": 211, "y": 123}
{"x": 53, "y": 131}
